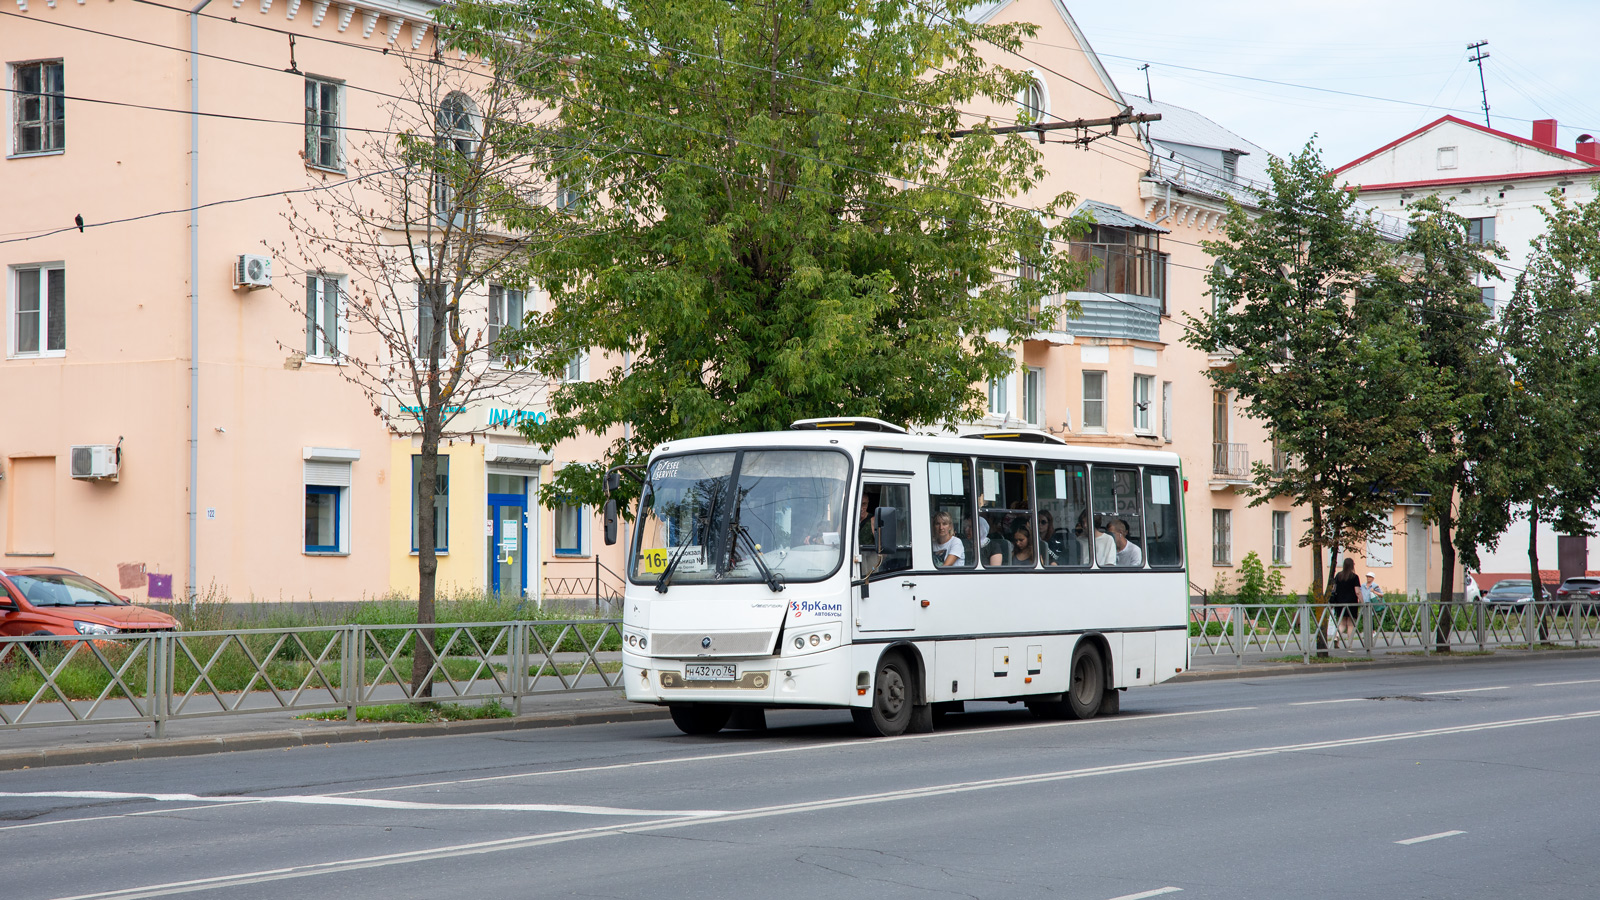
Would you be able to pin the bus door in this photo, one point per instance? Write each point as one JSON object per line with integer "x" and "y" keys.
{"x": 885, "y": 595}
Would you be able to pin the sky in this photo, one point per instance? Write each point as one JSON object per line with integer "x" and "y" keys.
{"x": 1542, "y": 64}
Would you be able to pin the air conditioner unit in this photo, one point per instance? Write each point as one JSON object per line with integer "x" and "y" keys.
{"x": 252, "y": 272}
{"x": 94, "y": 461}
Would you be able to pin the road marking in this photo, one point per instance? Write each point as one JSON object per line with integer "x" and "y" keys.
{"x": 240, "y": 801}
{"x": 1503, "y": 687}
{"x": 1155, "y": 893}
{"x": 1430, "y": 837}
{"x": 522, "y": 842}
{"x": 369, "y": 803}
{"x": 1318, "y": 702}
{"x": 1562, "y": 683}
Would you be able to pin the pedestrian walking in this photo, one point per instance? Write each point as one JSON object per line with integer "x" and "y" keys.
{"x": 1345, "y": 590}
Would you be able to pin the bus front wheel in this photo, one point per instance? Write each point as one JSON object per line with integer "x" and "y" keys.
{"x": 892, "y": 700}
{"x": 694, "y": 718}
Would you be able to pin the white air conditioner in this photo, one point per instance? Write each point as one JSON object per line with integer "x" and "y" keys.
{"x": 252, "y": 272}
{"x": 94, "y": 461}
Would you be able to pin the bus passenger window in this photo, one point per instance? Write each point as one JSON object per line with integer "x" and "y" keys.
{"x": 1119, "y": 516}
{"x": 1163, "y": 532}
{"x": 1063, "y": 492}
{"x": 950, "y": 512}
{"x": 1005, "y": 514}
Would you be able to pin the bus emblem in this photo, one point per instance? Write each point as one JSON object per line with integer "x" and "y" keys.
{"x": 705, "y": 642}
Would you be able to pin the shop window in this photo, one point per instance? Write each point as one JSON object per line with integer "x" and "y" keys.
{"x": 441, "y": 504}
{"x": 569, "y": 530}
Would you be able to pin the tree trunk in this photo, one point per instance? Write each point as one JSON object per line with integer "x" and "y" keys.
{"x": 1533, "y": 566}
{"x": 427, "y": 562}
{"x": 1447, "y": 580}
{"x": 1319, "y": 597}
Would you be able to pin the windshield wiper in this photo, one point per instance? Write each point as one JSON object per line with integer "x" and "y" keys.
{"x": 773, "y": 579}
{"x": 666, "y": 574}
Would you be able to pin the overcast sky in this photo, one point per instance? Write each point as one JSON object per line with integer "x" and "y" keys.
{"x": 1543, "y": 63}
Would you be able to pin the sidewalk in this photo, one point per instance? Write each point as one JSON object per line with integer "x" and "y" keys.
{"x": 78, "y": 744}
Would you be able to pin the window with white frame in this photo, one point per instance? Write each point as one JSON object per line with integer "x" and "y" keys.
{"x": 40, "y": 105}
{"x": 324, "y": 110}
{"x": 577, "y": 368}
{"x": 432, "y": 304}
{"x": 327, "y": 486}
{"x": 1000, "y": 394}
{"x": 441, "y": 503}
{"x": 456, "y": 137}
{"x": 1166, "y": 411}
{"x": 325, "y": 333}
{"x": 38, "y": 310}
{"x": 1143, "y": 386}
{"x": 1280, "y": 538}
{"x": 1094, "y": 401}
{"x": 1222, "y": 537}
{"x": 1033, "y": 102}
{"x": 1033, "y": 395}
{"x": 506, "y": 309}
{"x": 569, "y": 530}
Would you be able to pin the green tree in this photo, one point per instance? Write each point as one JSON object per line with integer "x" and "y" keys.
{"x": 1331, "y": 368}
{"x": 782, "y": 226}
{"x": 1436, "y": 277}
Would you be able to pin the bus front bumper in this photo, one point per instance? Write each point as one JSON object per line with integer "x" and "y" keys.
{"x": 824, "y": 678}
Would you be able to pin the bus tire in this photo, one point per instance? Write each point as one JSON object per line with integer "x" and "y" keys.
{"x": 1111, "y": 703}
{"x": 695, "y": 718}
{"x": 892, "y": 699}
{"x": 1086, "y": 690}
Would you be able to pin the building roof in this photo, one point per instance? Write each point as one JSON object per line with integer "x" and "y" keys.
{"x": 1180, "y": 128}
{"x": 1503, "y": 135}
{"x": 1106, "y": 214}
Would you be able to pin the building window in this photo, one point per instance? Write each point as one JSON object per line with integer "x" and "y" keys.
{"x": 39, "y": 311}
{"x": 327, "y": 486}
{"x": 1230, "y": 165}
{"x": 577, "y": 368}
{"x": 1447, "y": 157}
{"x": 432, "y": 301}
{"x": 456, "y": 138}
{"x": 324, "y": 106}
{"x": 1166, "y": 411}
{"x": 569, "y": 530}
{"x": 1486, "y": 294}
{"x": 41, "y": 107}
{"x": 1000, "y": 395}
{"x": 568, "y": 199}
{"x": 1033, "y": 396}
{"x": 1033, "y": 103}
{"x": 1480, "y": 231}
{"x": 441, "y": 504}
{"x": 1094, "y": 401}
{"x": 1222, "y": 537}
{"x": 506, "y": 310}
{"x": 1143, "y": 386}
{"x": 1280, "y": 538}
{"x": 325, "y": 338}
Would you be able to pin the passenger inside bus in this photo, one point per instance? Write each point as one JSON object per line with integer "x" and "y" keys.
{"x": 996, "y": 550}
{"x": 1128, "y": 553}
{"x": 947, "y": 549}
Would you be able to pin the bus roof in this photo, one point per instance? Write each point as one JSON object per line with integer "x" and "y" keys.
{"x": 855, "y": 442}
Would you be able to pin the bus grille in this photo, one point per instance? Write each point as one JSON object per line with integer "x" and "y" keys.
{"x": 733, "y": 643}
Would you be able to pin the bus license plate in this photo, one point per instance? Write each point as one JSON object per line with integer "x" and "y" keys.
{"x": 709, "y": 672}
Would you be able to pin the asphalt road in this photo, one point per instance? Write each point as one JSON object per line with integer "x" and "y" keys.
{"x": 1448, "y": 782}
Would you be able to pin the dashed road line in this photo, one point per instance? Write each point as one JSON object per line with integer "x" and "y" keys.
{"x": 1430, "y": 837}
{"x": 1564, "y": 683}
{"x": 1320, "y": 702}
{"x": 369, "y": 803}
{"x": 1502, "y": 687}
{"x": 1155, "y": 893}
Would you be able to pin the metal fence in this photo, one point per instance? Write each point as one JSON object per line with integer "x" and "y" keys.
{"x": 1405, "y": 626}
{"x": 163, "y": 676}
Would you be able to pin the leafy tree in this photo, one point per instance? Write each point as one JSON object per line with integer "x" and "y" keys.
{"x": 1435, "y": 281}
{"x": 1330, "y": 367}
{"x": 782, "y": 226}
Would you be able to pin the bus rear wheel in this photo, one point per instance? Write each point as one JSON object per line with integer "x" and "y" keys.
{"x": 695, "y": 718}
{"x": 1087, "y": 689}
{"x": 892, "y": 700}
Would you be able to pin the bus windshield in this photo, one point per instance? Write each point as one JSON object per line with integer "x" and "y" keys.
{"x": 742, "y": 516}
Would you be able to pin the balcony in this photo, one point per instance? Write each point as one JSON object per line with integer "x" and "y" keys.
{"x": 1124, "y": 269}
{"x": 1230, "y": 462}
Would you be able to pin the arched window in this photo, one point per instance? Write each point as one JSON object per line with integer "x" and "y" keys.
{"x": 1033, "y": 102}
{"x": 456, "y": 136}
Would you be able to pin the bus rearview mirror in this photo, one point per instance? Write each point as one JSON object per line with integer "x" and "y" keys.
{"x": 611, "y": 522}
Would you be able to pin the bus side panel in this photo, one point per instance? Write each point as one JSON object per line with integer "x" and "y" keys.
{"x": 955, "y": 670}
{"x": 1172, "y": 654}
{"x": 1137, "y": 664}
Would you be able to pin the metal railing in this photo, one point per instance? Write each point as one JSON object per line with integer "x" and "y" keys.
{"x": 1402, "y": 626}
{"x": 583, "y": 579}
{"x": 1230, "y": 460}
{"x": 162, "y": 676}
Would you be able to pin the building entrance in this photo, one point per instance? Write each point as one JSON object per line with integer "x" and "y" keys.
{"x": 508, "y": 535}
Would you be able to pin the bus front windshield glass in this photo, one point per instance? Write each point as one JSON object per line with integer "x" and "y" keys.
{"x": 742, "y": 517}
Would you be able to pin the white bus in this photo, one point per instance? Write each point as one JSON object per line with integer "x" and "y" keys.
{"x": 846, "y": 563}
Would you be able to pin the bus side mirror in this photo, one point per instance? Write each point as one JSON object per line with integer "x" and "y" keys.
{"x": 611, "y": 522}
{"x": 613, "y": 481}
{"x": 886, "y": 522}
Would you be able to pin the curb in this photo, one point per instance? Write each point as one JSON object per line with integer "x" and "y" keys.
{"x": 281, "y": 740}
{"x": 1435, "y": 660}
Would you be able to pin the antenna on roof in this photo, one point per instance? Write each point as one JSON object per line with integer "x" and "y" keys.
{"x": 1146, "y": 70}
{"x": 1479, "y": 55}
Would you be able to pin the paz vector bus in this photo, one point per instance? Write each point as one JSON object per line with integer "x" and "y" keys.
{"x": 849, "y": 564}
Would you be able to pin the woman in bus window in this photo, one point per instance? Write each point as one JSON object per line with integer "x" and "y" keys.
{"x": 946, "y": 546}
{"x": 1024, "y": 552}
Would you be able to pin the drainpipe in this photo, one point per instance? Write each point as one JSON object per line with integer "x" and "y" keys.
{"x": 194, "y": 297}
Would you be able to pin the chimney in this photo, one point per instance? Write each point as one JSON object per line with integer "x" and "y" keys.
{"x": 1544, "y": 133}
{"x": 1588, "y": 149}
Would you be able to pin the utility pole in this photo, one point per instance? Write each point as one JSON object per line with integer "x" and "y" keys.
{"x": 1146, "y": 70}
{"x": 1479, "y": 55}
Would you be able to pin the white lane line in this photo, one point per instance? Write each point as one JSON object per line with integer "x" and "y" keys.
{"x": 369, "y": 803}
{"x": 1320, "y": 702}
{"x": 1155, "y": 893}
{"x": 560, "y": 837}
{"x": 1564, "y": 683}
{"x": 1503, "y": 687}
{"x": 1430, "y": 837}
{"x": 240, "y": 801}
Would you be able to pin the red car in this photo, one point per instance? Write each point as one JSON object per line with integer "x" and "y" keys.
{"x": 47, "y": 600}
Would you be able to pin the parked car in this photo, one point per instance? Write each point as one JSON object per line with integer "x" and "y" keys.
{"x": 1470, "y": 592}
{"x": 1582, "y": 592}
{"x": 42, "y": 600}
{"x": 1510, "y": 593}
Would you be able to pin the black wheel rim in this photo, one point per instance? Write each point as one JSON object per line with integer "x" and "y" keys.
{"x": 1082, "y": 690}
{"x": 891, "y": 692}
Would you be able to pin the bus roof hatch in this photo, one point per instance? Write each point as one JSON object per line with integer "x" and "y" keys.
{"x": 848, "y": 424}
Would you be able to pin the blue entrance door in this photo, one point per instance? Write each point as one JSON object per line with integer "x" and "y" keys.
{"x": 508, "y": 537}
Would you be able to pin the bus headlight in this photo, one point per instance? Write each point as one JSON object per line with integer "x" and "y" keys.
{"x": 799, "y": 643}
